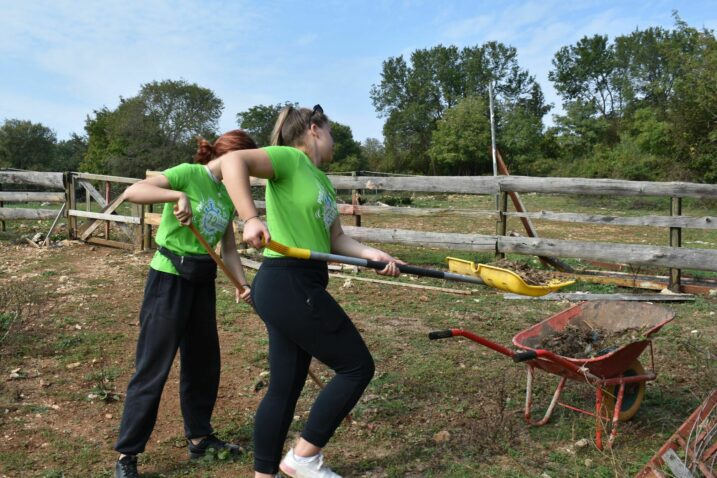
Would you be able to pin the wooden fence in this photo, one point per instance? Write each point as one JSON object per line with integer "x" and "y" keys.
{"x": 673, "y": 255}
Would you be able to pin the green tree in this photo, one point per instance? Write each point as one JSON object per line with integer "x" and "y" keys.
{"x": 692, "y": 113}
{"x": 182, "y": 110}
{"x": 347, "y": 151}
{"x": 586, "y": 73}
{"x": 69, "y": 153}
{"x": 154, "y": 130}
{"x": 413, "y": 98}
{"x": 641, "y": 107}
{"x": 259, "y": 121}
{"x": 26, "y": 145}
{"x": 461, "y": 141}
{"x": 374, "y": 152}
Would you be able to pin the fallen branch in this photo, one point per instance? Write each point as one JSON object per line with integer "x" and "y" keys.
{"x": 582, "y": 296}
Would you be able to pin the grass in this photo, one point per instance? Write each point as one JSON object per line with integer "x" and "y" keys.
{"x": 421, "y": 389}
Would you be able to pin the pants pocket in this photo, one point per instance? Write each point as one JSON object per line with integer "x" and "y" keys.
{"x": 326, "y": 310}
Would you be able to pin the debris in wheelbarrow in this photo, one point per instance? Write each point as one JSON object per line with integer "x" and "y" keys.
{"x": 581, "y": 340}
{"x": 504, "y": 279}
{"x": 617, "y": 375}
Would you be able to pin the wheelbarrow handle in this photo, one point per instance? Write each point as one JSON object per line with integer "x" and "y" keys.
{"x": 556, "y": 359}
{"x": 524, "y": 356}
{"x": 444, "y": 334}
{"x": 440, "y": 334}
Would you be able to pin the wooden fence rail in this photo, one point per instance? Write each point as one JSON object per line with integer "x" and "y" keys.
{"x": 684, "y": 258}
{"x": 707, "y": 222}
{"x": 674, "y": 256}
{"x": 489, "y": 185}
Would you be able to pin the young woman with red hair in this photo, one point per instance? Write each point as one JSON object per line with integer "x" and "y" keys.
{"x": 179, "y": 307}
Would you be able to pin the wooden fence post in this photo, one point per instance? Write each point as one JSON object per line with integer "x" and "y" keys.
{"x": 107, "y": 201}
{"x": 146, "y": 228}
{"x": 71, "y": 204}
{"x": 137, "y": 210}
{"x": 2, "y": 222}
{"x": 675, "y": 241}
{"x": 502, "y": 224}
{"x": 355, "y": 203}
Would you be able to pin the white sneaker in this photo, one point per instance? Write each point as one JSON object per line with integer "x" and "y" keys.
{"x": 307, "y": 469}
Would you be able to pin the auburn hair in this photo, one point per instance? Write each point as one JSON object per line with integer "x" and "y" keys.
{"x": 230, "y": 141}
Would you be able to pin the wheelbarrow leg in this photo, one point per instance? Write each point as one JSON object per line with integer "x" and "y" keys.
{"x": 599, "y": 400}
{"x": 529, "y": 399}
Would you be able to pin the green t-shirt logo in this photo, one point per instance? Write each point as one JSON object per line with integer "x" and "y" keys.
{"x": 328, "y": 210}
{"x": 213, "y": 221}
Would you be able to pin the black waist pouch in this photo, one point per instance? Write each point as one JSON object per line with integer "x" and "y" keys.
{"x": 198, "y": 269}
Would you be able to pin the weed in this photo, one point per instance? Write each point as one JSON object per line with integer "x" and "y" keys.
{"x": 103, "y": 387}
{"x": 54, "y": 474}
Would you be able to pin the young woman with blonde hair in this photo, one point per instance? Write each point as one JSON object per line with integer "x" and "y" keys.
{"x": 302, "y": 318}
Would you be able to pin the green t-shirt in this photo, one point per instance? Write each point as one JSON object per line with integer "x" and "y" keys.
{"x": 300, "y": 202}
{"x": 212, "y": 212}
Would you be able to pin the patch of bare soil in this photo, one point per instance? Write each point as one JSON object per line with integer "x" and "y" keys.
{"x": 67, "y": 357}
{"x": 585, "y": 342}
{"x": 528, "y": 274}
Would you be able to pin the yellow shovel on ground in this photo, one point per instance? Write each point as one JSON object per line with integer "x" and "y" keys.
{"x": 504, "y": 279}
{"x": 495, "y": 277}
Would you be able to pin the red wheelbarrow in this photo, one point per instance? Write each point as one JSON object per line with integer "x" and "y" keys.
{"x": 616, "y": 373}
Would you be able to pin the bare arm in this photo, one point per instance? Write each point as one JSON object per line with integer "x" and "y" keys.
{"x": 233, "y": 263}
{"x": 348, "y": 246}
{"x": 152, "y": 191}
{"x": 236, "y": 168}
{"x": 157, "y": 189}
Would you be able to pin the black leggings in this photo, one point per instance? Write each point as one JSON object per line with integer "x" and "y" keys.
{"x": 175, "y": 315}
{"x": 304, "y": 321}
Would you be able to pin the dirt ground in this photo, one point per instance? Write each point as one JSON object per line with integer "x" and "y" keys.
{"x": 60, "y": 391}
{"x": 450, "y": 408}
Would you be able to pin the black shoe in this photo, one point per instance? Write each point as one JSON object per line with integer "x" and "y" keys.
{"x": 200, "y": 449}
{"x": 126, "y": 467}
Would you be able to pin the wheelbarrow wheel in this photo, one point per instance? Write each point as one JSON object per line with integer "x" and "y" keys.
{"x": 632, "y": 398}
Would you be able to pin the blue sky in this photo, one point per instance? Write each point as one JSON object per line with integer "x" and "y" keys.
{"x": 62, "y": 60}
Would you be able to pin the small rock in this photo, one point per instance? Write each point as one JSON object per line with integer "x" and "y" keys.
{"x": 442, "y": 437}
{"x": 108, "y": 415}
{"x": 73, "y": 365}
{"x": 588, "y": 463}
{"x": 713, "y": 293}
{"x": 423, "y": 298}
{"x": 348, "y": 283}
{"x": 545, "y": 475}
{"x": 582, "y": 443}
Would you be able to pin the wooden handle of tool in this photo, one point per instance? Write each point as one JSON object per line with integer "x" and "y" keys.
{"x": 217, "y": 259}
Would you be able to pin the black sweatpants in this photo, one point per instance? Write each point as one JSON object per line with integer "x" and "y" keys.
{"x": 175, "y": 314}
{"x": 304, "y": 321}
